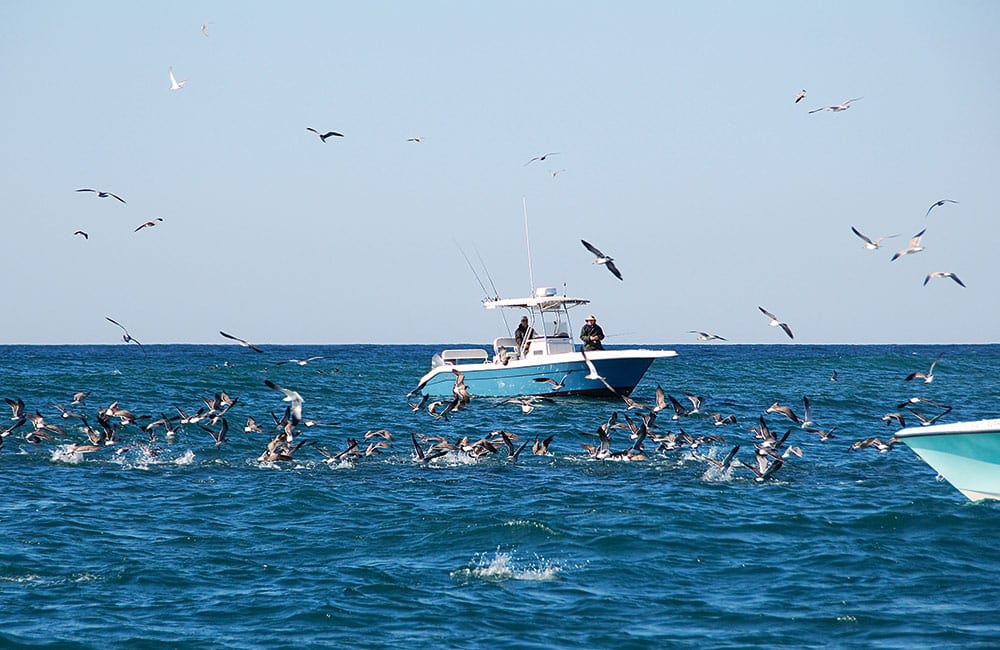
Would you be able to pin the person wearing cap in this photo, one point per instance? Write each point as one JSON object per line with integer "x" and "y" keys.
{"x": 592, "y": 334}
{"x": 523, "y": 332}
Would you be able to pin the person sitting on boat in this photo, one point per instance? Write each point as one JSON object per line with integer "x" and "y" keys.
{"x": 592, "y": 334}
{"x": 523, "y": 333}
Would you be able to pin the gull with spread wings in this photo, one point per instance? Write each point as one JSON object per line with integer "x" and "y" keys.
{"x": 242, "y": 342}
{"x": 601, "y": 258}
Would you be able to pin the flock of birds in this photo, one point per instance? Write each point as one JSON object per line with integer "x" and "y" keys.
{"x": 645, "y": 429}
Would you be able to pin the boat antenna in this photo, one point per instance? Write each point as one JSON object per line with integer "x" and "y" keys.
{"x": 496, "y": 294}
{"x": 486, "y": 293}
{"x": 527, "y": 241}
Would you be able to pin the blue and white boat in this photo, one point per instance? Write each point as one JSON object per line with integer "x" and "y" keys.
{"x": 550, "y": 353}
{"x": 966, "y": 454}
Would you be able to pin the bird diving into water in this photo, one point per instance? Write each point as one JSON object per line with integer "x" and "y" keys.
{"x": 601, "y": 258}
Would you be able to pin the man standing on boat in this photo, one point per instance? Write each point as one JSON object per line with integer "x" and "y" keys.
{"x": 522, "y": 334}
{"x": 592, "y": 334}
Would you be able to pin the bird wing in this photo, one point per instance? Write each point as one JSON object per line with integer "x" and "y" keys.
{"x": 116, "y": 196}
{"x": 767, "y": 313}
{"x": 614, "y": 270}
{"x": 855, "y": 230}
{"x": 117, "y": 323}
{"x": 788, "y": 330}
{"x": 591, "y": 249}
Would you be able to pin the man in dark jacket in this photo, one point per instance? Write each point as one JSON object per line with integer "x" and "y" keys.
{"x": 592, "y": 334}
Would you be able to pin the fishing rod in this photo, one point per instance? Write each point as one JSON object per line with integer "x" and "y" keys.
{"x": 496, "y": 294}
{"x": 486, "y": 293}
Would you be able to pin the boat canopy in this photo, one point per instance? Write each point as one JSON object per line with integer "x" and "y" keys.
{"x": 541, "y": 302}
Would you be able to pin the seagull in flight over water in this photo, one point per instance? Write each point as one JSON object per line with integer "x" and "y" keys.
{"x": 938, "y": 204}
{"x": 943, "y": 274}
{"x": 242, "y": 342}
{"x": 601, "y": 258}
{"x": 324, "y": 136}
{"x": 125, "y": 336}
{"x": 706, "y": 336}
{"x": 776, "y": 323}
{"x": 913, "y": 247}
{"x": 542, "y": 157}
{"x": 871, "y": 244}
{"x": 102, "y": 194}
{"x": 843, "y": 106}
{"x": 174, "y": 84}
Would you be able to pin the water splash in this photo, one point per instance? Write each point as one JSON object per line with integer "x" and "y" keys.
{"x": 502, "y": 565}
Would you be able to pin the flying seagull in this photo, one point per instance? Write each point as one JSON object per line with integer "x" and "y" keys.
{"x": 943, "y": 274}
{"x": 601, "y": 258}
{"x": 204, "y": 28}
{"x": 82, "y": 233}
{"x": 775, "y": 322}
{"x": 415, "y": 139}
{"x": 706, "y": 336}
{"x": 324, "y": 136}
{"x": 843, "y": 106}
{"x": 938, "y": 204}
{"x": 542, "y": 157}
{"x": 913, "y": 247}
{"x": 174, "y": 84}
{"x": 871, "y": 244}
{"x": 928, "y": 376}
{"x": 125, "y": 336}
{"x": 149, "y": 224}
{"x": 800, "y": 96}
{"x": 102, "y": 194}
{"x": 246, "y": 344}
{"x": 290, "y": 396}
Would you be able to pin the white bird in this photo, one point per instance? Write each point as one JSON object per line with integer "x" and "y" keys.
{"x": 843, "y": 106}
{"x": 871, "y": 244}
{"x": 938, "y": 204}
{"x": 243, "y": 343}
{"x": 776, "y": 323}
{"x": 928, "y": 377}
{"x": 204, "y": 29}
{"x": 102, "y": 194}
{"x": 290, "y": 396}
{"x": 800, "y": 96}
{"x": 125, "y": 336}
{"x": 300, "y": 362}
{"x": 174, "y": 84}
{"x": 913, "y": 247}
{"x": 943, "y": 274}
{"x": 601, "y": 258}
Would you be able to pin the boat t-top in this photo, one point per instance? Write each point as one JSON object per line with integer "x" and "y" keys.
{"x": 547, "y": 362}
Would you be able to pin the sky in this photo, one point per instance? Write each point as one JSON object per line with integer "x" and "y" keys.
{"x": 679, "y": 151}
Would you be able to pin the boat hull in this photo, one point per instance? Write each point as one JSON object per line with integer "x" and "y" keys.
{"x": 622, "y": 369}
{"x": 966, "y": 454}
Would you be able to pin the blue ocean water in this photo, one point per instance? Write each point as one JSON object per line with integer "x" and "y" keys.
{"x": 184, "y": 543}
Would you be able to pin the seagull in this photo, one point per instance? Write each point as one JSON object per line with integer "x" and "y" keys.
{"x": 82, "y": 233}
{"x": 541, "y": 447}
{"x": 776, "y": 323}
{"x": 824, "y": 434}
{"x": 590, "y": 365}
{"x": 204, "y": 29}
{"x": 800, "y": 96}
{"x": 786, "y": 411}
{"x": 542, "y": 157}
{"x": 125, "y": 336}
{"x": 928, "y": 377}
{"x": 16, "y": 407}
{"x": 843, "y": 106}
{"x": 601, "y": 258}
{"x": 913, "y": 247}
{"x": 324, "y": 136}
{"x": 300, "y": 362}
{"x": 243, "y": 343}
{"x": 416, "y": 139}
{"x": 871, "y": 244}
{"x": 556, "y": 385}
{"x": 290, "y": 396}
{"x": 101, "y": 194}
{"x": 937, "y": 204}
{"x": 79, "y": 397}
{"x": 149, "y": 224}
{"x": 834, "y": 376}
{"x": 943, "y": 274}
{"x": 174, "y": 84}
{"x": 877, "y": 443}
{"x": 706, "y": 336}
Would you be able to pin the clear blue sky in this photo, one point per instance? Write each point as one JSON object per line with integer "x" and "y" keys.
{"x": 684, "y": 157}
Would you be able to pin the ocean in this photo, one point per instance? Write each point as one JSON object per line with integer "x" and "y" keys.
{"x": 182, "y": 542}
